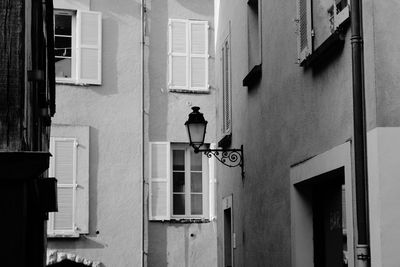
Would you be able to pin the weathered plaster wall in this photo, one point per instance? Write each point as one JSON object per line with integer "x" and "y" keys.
{"x": 293, "y": 114}
{"x": 113, "y": 113}
{"x": 387, "y": 57}
{"x": 177, "y": 244}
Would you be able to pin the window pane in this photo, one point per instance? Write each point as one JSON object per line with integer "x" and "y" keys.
{"x": 62, "y": 46}
{"x": 195, "y": 161}
{"x": 178, "y": 160}
{"x": 179, "y": 181}
{"x": 63, "y": 67}
{"x": 196, "y": 184}
{"x": 197, "y": 204}
{"x": 179, "y": 204}
{"x": 62, "y": 24}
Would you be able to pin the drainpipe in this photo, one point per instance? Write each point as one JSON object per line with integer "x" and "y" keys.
{"x": 143, "y": 183}
{"x": 360, "y": 129}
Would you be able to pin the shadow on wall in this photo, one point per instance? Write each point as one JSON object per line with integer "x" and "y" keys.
{"x": 93, "y": 183}
{"x": 158, "y": 49}
{"x": 200, "y": 7}
{"x": 157, "y": 244}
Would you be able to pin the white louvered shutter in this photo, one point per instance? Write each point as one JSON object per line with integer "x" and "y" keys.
{"x": 89, "y": 47}
{"x": 304, "y": 37}
{"x": 198, "y": 60}
{"x": 160, "y": 165}
{"x": 178, "y": 54}
{"x": 63, "y": 168}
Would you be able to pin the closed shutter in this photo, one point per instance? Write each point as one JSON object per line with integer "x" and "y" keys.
{"x": 226, "y": 84}
{"x": 160, "y": 165}
{"x": 178, "y": 54}
{"x": 304, "y": 39}
{"x": 198, "y": 36}
{"x": 63, "y": 168}
{"x": 89, "y": 47}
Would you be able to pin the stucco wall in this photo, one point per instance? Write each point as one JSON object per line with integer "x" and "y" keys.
{"x": 113, "y": 113}
{"x": 177, "y": 244}
{"x": 294, "y": 113}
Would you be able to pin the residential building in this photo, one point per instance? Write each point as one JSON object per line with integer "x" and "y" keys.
{"x": 96, "y": 136}
{"x": 180, "y": 60}
{"x": 127, "y": 75}
{"x": 285, "y": 94}
{"x": 27, "y": 104}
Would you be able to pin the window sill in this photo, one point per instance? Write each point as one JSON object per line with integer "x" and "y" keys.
{"x": 75, "y": 83}
{"x": 69, "y": 235}
{"x": 188, "y": 91}
{"x": 182, "y": 221}
{"x": 334, "y": 40}
{"x": 225, "y": 141}
{"x": 253, "y": 77}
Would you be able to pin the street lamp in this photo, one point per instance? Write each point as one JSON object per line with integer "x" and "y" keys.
{"x": 196, "y": 127}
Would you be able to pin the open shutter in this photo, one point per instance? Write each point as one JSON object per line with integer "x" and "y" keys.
{"x": 89, "y": 47}
{"x": 304, "y": 37}
{"x": 160, "y": 165}
{"x": 178, "y": 54}
{"x": 63, "y": 168}
{"x": 226, "y": 84}
{"x": 198, "y": 60}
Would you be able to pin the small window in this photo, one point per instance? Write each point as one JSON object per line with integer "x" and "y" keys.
{"x": 317, "y": 21}
{"x": 179, "y": 182}
{"x": 188, "y": 55}
{"x": 254, "y": 33}
{"x": 226, "y": 87}
{"x": 77, "y": 46}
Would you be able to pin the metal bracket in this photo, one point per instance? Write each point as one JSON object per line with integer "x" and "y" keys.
{"x": 229, "y": 157}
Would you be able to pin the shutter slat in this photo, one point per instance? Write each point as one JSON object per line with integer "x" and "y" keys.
{"x": 179, "y": 37}
{"x": 159, "y": 181}
{"x": 63, "y": 219}
{"x": 198, "y": 55}
{"x": 89, "y": 47}
{"x": 179, "y": 69}
{"x": 304, "y": 36}
{"x": 63, "y": 160}
{"x": 198, "y": 72}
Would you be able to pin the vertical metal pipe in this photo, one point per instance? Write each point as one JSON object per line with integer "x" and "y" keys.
{"x": 360, "y": 129}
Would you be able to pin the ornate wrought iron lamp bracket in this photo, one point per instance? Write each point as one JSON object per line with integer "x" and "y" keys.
{"x": 229, "y": 157}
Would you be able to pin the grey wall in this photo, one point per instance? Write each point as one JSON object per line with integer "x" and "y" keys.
{"x": 177, "y": 244}
{"x": 113, "y": 113}
{"x": 293, "y": 114}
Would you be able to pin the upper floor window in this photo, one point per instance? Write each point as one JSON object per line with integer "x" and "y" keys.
{"x": 188, "y": 55}
{"x": 226, "y": 87}
{"x": 179, "y": 182}
{"x": 317, "y": 20}
{"x": 77, "y": 44}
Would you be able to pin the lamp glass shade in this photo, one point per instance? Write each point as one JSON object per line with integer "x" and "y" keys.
{"x": 196, "y": 128}
{"x": 196, "y": 132}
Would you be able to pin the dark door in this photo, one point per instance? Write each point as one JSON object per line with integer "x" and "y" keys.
{"x": 328, "y": 229}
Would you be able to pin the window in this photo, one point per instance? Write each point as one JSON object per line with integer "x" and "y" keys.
{"x": 69, "y": 164}
{"x": 254, "y": 32}
{"x": 317, "y": 20}
{"x": 188, "y": 55}
{"x": 179, "y": 182}
{"x": 226, "y": 87}
{"x": 77, "y": 44}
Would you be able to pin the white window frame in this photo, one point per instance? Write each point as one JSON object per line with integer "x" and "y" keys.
{"x": 71, "y": 13}
{"x": 338, "y": 19}
{"x": 76, "y": 48}
{"x": 187, "y": 193}
{"x": 188, "y": 87}
{"x": 51, "y": 232}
